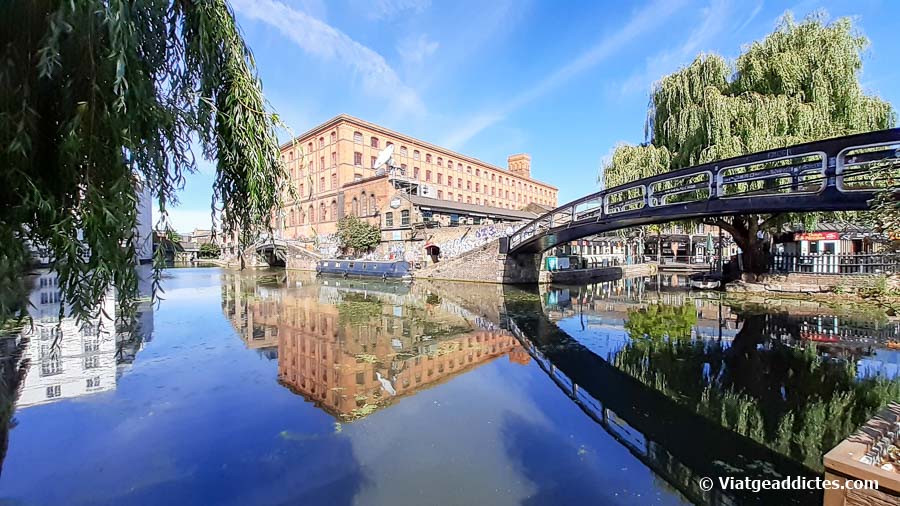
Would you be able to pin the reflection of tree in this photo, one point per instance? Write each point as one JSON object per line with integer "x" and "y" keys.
{"x": 357, "y": 308}
{"x": 12, "y": 373}
{"x": 786, "y": 398}
{"x": 658, "y": 321}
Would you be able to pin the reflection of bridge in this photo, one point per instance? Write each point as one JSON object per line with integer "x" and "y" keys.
{"x": 832, "y": 175}
{"x": 677, "y": 444}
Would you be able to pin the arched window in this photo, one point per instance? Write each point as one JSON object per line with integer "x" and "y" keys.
{"x": 302, "y": 218}
{"x": 334, "y": 213}
{"x": 311, "y": 214}
{"x": 374, "y": 142}
{"x": 404, "y": 217}
{"x": 357, "y": 137}
{"x": 321, "y": 142}
{"x": 440, "y": 162}
{"x": 354, "y": 207}
{"x": 416, "y": 154}
{"x": 427, "y": 157}
{"x": 364, "y": 204}
{"x": 333, "y": 137}
{"x": 321, "y": 212}
{"x": 333, "y": 181}
{"x": 403, "y": 151}
{"x": 293, "y": 218}
{"x": 373, "y": 205}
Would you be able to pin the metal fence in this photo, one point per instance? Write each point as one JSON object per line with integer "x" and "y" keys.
{"x": 849, "y": 263}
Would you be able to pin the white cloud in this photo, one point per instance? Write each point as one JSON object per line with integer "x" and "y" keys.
{"x": 649, "y": 17}
{"x": 323, "y": 41}
{"x": 414, "y": 49}
{"x": 713, "y": 21}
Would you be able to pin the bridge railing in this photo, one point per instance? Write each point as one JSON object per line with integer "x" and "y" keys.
{"x": 828, "y": 263}
{"x": 856, "y": 163}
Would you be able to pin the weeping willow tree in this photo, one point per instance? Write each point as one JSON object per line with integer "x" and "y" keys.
{"x": 799, "y": 84}
{"x": 105, "y": 99}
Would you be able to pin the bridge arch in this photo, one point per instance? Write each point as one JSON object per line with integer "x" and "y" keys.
{"x": 839, "y": 174}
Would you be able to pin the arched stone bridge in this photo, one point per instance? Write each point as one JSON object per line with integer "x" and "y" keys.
{"x": 840, "y": 174}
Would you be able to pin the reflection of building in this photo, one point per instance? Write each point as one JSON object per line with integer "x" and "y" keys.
{"x": 353, "y": 351}
{"x": 67, "y": 359}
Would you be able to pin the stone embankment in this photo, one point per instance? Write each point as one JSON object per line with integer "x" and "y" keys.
{"x": 809, "y": 283}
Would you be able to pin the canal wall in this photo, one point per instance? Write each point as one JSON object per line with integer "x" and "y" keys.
{"x": 809, "y": 283}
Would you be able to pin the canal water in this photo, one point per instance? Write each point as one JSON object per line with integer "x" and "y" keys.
{"x": 274, "y": 387}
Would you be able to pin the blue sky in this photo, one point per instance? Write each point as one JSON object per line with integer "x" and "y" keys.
{"x": 563, "y": 82}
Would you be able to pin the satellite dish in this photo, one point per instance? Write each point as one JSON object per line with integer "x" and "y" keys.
{"x": 384, "y": 157}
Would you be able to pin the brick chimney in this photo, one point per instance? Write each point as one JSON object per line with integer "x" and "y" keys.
{"x": 520, "y": 164}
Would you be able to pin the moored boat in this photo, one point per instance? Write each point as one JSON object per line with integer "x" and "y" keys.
{"x": 706, "y": 281}
{"x": 364, "y": 268}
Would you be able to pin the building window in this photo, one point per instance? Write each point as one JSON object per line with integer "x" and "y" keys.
{"x": 440, "y": 162}
{"x": 449, "y": 195}
{"x": 441, "y": 194}
{"x": 416, "y": 154}
{"x": 309, "y": 147}
{"x": 321, "y": 212}
{"x": 364, "y": 205}
{"x": 389, "y": 219}
{"x": 357, "y": 159}
{"x": 493, "y": 176}
{"x": 477, "y": 187}
{"x": 334, "y": 212}
{"x": 357, "y": 137}
{"x": 373, "y": 160}
{"x": 427, "y": 157}
{"x": 321, "y": 142}
{"x": 53, "y": 392}
{"x": 469, "y": 170}
{"x": 322, "y": 184}
{"x": 300, "y": 188}
{"x": 374, "y": 142}
{"x": 428, "y": 175}
{"x": 334, "y": 158}
{"x": 440, "y": 178}
{"x": 403, "y": 169}
{"x": 468, "y": 200}
{"x": 404, "y": 217}
{"x": 478, "y": 201}
{"x": 333, "y": 181}
{"x": 416, "y": 172}
{"x": 321, "y": 163}
{"x": 459, "y": 167}
{"x": 468, "y": 185}
{"x": 403, "y": 151}
{"x": 477, "y": 172}
{"x": 354, "y": 207}
{"x": 311, "y": 214}
{"x": 449, "y": 180}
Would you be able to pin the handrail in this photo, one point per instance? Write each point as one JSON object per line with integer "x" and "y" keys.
{"x": 793, "y": 163}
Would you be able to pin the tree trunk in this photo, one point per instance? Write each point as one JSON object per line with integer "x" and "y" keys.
{"x": 754, "y": 254}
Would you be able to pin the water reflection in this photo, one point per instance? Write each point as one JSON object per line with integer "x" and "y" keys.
{"x": 353, "y": 347}
{"x": 51, "y": 358}
{"x": 795, "y": 378}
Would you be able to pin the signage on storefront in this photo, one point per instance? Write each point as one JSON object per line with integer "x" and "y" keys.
{"x": 817, "y": 236}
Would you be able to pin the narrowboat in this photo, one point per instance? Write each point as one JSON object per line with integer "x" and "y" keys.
{"x": 364, "y": 269}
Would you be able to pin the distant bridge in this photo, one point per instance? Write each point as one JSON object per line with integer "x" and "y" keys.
{"x": 840, "y": 174}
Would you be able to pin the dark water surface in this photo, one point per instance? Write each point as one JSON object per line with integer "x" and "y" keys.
{"x": 274, "y": 387}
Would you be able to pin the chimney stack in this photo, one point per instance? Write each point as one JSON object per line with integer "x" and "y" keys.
{"x": 520, "y": 164}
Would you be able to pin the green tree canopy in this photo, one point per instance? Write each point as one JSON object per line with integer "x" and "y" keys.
{"x": 357, "y": 235}
{"x": 799, "y": 84}
{"x": 105, "y": 98}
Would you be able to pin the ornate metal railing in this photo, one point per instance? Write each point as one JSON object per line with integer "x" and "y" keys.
{"x": 856, "y": 164}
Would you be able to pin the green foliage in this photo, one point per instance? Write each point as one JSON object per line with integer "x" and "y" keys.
{"x": 358, "y": 309}
{"x": 658, "y": 321}
{"x": 103, "y": 99}
{"x": 357, "y": 235}
{"x": 799, "y": 84}
{"x": 210, "y": 250}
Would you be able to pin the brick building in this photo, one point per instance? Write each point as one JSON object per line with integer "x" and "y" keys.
{"x": 332, "y": 169}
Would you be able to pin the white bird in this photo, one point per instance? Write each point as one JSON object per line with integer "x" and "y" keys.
{"x": 386, "y": 384}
